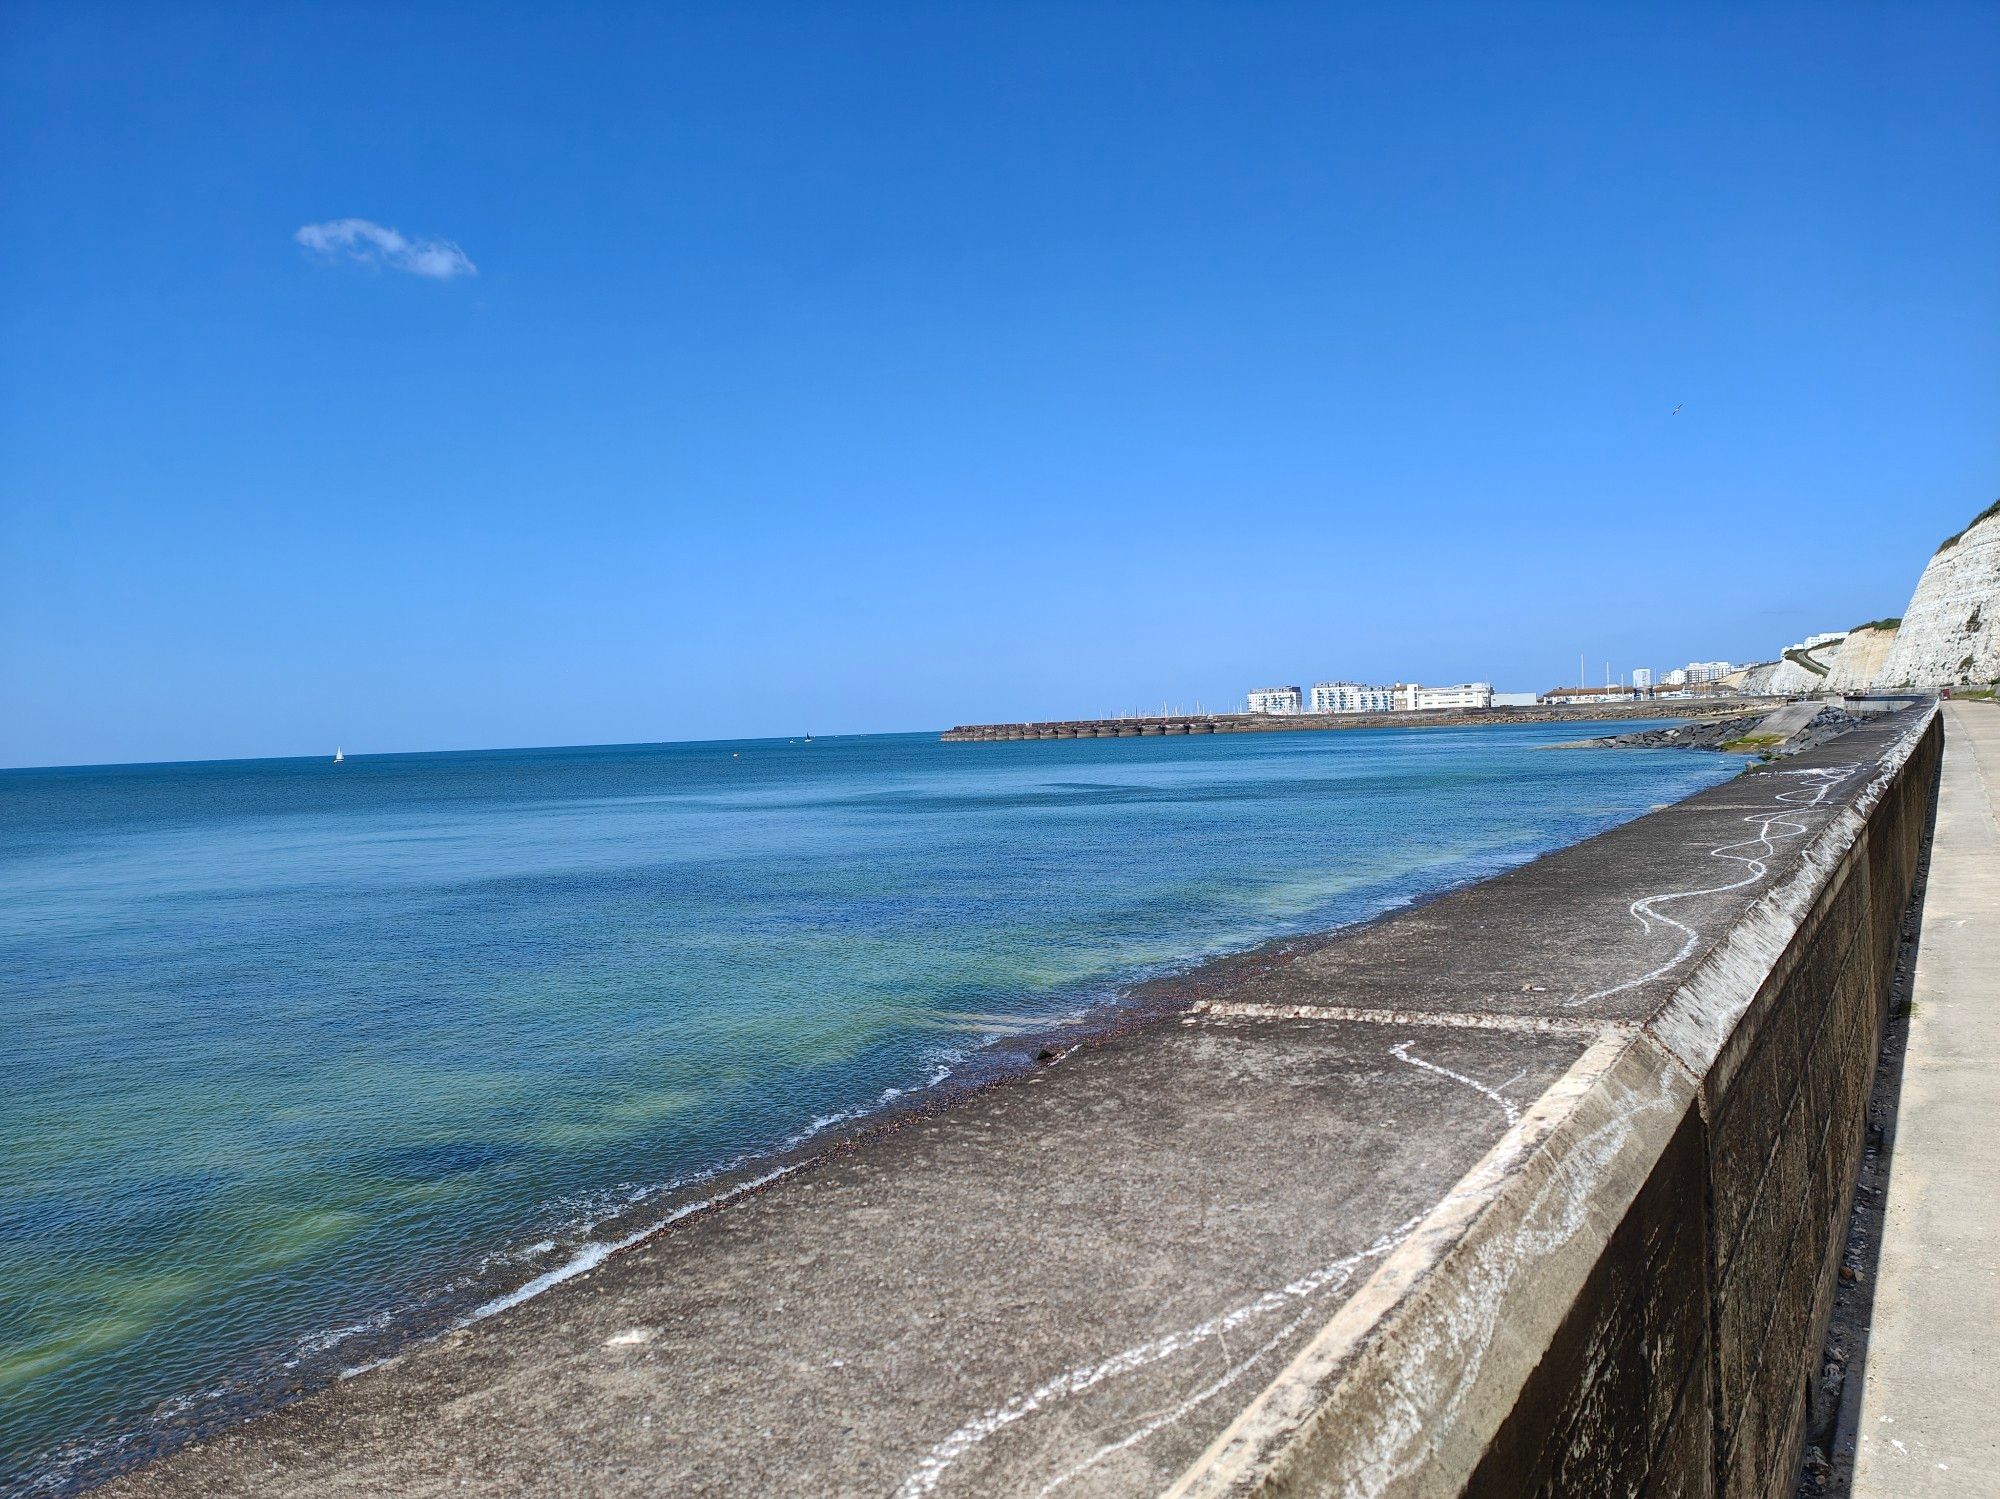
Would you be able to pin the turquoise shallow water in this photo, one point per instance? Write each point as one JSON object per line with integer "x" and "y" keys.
{"x": 299, "y": 1057}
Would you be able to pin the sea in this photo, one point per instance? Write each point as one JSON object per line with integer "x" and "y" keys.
{"x": 300, "y": 1061}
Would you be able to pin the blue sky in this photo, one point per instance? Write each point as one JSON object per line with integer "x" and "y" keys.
{"x": 871, "y": 368}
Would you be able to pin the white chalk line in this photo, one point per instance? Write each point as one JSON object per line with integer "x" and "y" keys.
{"x": 1395, "y": 1448}
{"x": 925, "y": 1477}
{"x": 1646, "y": 910}
{"x": 1209, "y": 1391}
{"x": 928, "y": 1473}
{"x": 1401, "y": 1052}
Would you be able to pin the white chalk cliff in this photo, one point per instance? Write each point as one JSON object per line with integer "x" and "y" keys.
{"x": 1781, "y": 678}
{"x": 1950, "y": 634}
{"x": 1858, "y": 659}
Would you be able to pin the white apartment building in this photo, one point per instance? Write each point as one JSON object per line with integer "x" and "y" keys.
{"x": 1708, "y": 671}
{"x": 1279, "y": 700}
{"x": 1642, "y": 678}
{"x": 1352, "y": 697}
{"x": 1678, "y": 677}
{"x": 1461, "y": 695}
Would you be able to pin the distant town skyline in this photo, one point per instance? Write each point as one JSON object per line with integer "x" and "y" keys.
{"x": 1343, "y": 696}
{"x": 669, "y": 373}
{"x": 1822, "y": 654}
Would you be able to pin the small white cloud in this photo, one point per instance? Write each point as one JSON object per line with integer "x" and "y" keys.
{"x": 370, "y": 243}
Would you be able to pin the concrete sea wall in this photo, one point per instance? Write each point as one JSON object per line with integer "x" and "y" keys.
{"x": 1628, "y": 1295}
{"x": 1534, "y": 1188}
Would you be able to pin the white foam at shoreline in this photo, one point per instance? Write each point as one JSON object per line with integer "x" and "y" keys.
{"x": 590, "y": 1256}
{"x": 593, "y": 1255}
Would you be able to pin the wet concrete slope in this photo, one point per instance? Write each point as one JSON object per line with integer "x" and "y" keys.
{"x": 1531, "y": 1189}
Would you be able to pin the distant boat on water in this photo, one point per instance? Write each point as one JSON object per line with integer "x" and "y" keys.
{"x": 337, "y": 755}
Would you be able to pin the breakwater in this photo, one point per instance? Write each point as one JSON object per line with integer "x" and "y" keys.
{"x": 1264, "y": 723}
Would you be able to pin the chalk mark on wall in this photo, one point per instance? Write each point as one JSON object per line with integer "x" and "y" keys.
{"x": 938, "y": 1461}
{"x": 1788, "y": 818}
{"x": 925, "y": 1478}
{"x": 1401, "y": 1052}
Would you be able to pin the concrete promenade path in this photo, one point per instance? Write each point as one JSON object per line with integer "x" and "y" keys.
{"x": 1930, "y": 1405}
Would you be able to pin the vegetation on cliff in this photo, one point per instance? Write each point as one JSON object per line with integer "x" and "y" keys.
{"x": 1952, "y": 540}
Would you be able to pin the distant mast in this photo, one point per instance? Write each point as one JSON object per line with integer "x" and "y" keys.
{"x": 337, "y": 755}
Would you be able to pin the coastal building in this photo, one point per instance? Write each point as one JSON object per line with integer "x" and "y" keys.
{"x": 1642, "y": 677}
{"x": 1707, "y": 671}
{"x": 1604, "y": 694}
{"x": 1352, "y": 697}
{"x": 1275, "y": 700}
{"x": 1460, "y": 695}
{"x": 1678, "y": 677}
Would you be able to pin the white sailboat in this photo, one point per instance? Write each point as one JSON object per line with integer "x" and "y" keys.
{"x": 337, "y": 755}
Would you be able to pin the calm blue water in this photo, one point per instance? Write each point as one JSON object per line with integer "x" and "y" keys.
{"x": 298, "y": 1056}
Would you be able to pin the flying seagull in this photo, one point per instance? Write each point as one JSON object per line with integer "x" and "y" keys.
{"x": 1677, "y": 410}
